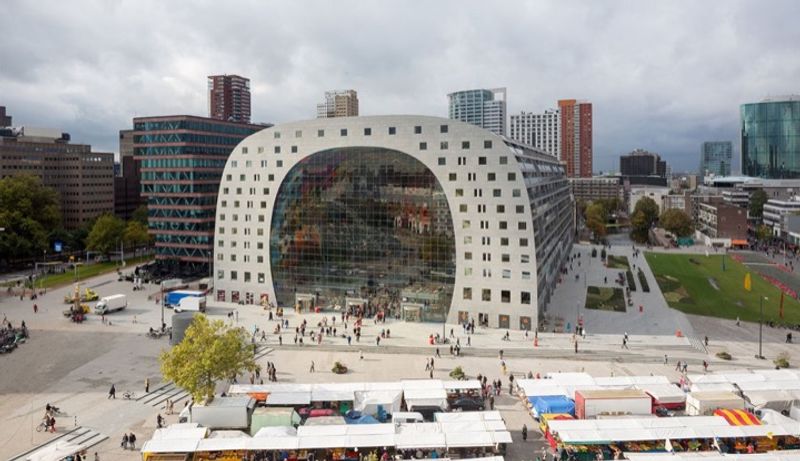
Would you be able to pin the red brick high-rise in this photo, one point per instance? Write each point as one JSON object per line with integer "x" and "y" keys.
{"x": 576, "y": 137}
{"x": 229, "y": 98}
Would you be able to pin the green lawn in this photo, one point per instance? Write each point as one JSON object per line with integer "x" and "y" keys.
{"x": 87, "y": 271}
{"x": 696, "y": 284}
{"x": 605, "y": 298}
{"x": 617, "y": 262}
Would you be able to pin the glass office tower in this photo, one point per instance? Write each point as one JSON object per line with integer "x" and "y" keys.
{"x": 771, "y": 138}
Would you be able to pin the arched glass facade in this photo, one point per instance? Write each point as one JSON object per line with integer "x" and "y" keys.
{"x": 366, "y": 223}
{"x": 771, "y": 139}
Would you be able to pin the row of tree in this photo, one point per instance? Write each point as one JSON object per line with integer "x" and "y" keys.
{"x": 645, "y": 216}
{"x": 30, "y": 216}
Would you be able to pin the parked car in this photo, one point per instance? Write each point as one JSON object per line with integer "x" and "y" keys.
{"x": 467, "y": 404}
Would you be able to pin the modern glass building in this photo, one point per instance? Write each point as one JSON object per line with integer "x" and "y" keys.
{"x": 182, "y": 158}
{"x": 484, "y": 108}
{"x": 771, "y": 138}
{"x": 716, "y": 158}
{"x": 422, "y": 217}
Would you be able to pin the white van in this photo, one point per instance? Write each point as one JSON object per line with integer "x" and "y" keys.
{"x": 191, "y": 304}
{"x": 110, "y": 304}
{"x": 407, "y": 417}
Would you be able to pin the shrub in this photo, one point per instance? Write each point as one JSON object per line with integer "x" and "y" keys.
{"x": 603, "y": 254}
{"x": 594, "y": 252}
{"x": 631, "y": 283}
{"x": 643, "y": 282}
{"x": 458, "y": 373}
{"x": 782, "y": 360}
{"x": 339, "y": 368}
{"x": 724, "y": 355}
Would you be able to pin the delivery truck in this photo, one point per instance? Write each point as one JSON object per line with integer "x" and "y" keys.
{"x": 704, "y": 403}
{"x": 222, "y": 413}
{"x": 593, "y": 403}
{"x": 191, "y": 304}
{"x": 173, "y": 298}
{"x": 110, "y": 304}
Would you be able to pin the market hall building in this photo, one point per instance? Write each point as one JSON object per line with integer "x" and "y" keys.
{"x": 425, "y": 218}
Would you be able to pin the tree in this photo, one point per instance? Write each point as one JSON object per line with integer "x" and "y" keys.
{"x": 210, "y": 352}
{"x": 649, "y": 207}
{"x": 29, "y": 210}
{"x": 596, "y": 218}
{"x": 140, "y": 214}
{"x": 757, "y": 201}
{"x": 105, "y": 234}
{"x": 644, "y": 215}
{"x": 135, "y": 234}
{"x": 677, "y": 222}
{"x": 763, "y": 232}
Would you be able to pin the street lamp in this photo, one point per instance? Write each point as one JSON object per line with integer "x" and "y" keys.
{"x": 761, "y": 325}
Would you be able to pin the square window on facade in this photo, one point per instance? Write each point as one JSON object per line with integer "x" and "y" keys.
{"x": 515, "y": 193}
{"x": 505, "y": 296}
{"x": 504, "y": 160}
{"x": 497, "y": 193}
{"x": 443, "y": 145}
{"x": 522, "y": 225}
{"x": 279, "y": 163}
{"x": 452, "y": 176}
{"x": 505, "y": 257}
{"x": 320, "y": 133}
{"x": 234, "y": 275}
{"x": 490, "y": 176}
{"x": 271, "y": 177}
{"x": 487, "y": 144}
{"x": 442, "y": 128}
{"x": 467, "y": 239}
{"x": 343, "y": 132}
{"x": 367, "y": 131}
{"x": 417, "y": 129}
{"x": 524, "y": 259}
{"x": 423, "y": 146}
{"x": 260, "y": 149}
{"x": 520, "y": 209}
{"x": 277, "y": 135}
{"x": 260, "y": 277}
{"x": 503, "y": 225}
{"x": 459, "y": 192}
{"x": 392, "y": 130}
{"x": 465, "y": 144}
{"x": 266, "y": 191}
{"x": 486, "y": 294}
{"x": 467, "y": 293}
{"x": 526, "y": 275}
{"x": 523, "y": 242}
{"x": 512, "y": 176}
{"x": 298, "y": 134}
{"x": 481, "y": 160}
{"x": 506, "y": 273}
{"x": 465, "y": 224}
{"x": 241, "y": 177}
{"x": 442, "y": 161}
{"x": 501, "y": 208}
{"x": 244, "y": 150}
{"x": 220, "y": 274}
{"x": 503, "y": 241}
{"x": 277, "y": 149}
{"x": 259, "y": 259}
{"x": 462, "y": 208}
{"x": 468, "y": 256}
{"x": 467, "y": 271}
{"x": 525, "y": 297}
{"x": 294, "y": 149}
{"x": 247, "y": 276}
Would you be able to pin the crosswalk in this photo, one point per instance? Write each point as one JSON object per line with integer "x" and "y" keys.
{"x": 83, "y": 437}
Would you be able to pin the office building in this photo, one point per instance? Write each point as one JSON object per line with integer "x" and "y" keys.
{"x": 722, "y": 225}
{"x": 576, "y": 137}
{"x": 596, "y": 188}
{"x": 716, "y": 158}
{"x": 127, "y": 183}
{"x": 428, "y": 218}
{"x": 484, "y": 108}
{"x": 775, "y": 212}
{"x": 770, "y": 133}
{"x": 654, "y": 192}
{"x": 5, "y": 120}
{"x": 181, "y": 160}
{"x": 642, "y": 163}
{"x": 542, "y": 131}
{"x": 83, "y": 179}
{"x": 340, "y": 103}
{"x": 229, "y": 98}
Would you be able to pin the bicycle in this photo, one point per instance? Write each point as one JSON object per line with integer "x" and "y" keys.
{"x": 128, "y": 395}
{"x": 42, "y": 426}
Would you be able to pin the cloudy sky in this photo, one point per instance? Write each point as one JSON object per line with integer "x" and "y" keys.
{"x": 662, "y": 75}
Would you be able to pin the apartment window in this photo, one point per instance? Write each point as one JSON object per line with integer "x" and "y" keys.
{"x": 220, "y": 257}
{"x": 523, "y": 242}
{"x": 263, "y": 204}
{"x": 417, "y": 129}
{"x": 241, "y": 177}
{"x": 259, "y": 259}
{"x": 525, "y": 297}
{"x": 234, "y": 275}
{"x": 260, "y": 149}
{"x": 263, "y": 164}
{"x": 485, "y": 241}
{"x": 482, "y": 208}
{"x": 512, "y": 176}
{"x": 220, "y": 274}
{"x": 515, "y": 193}
{"x": 467, "y": 271}
{"x": 504, "y": 160}
{"x": 443, "y": 145}
{"x": 221, "y": 230}
{"x": 520, "y": 209}
{"x": 423, "y": 146}
{"x": 506, "y": 273}
{"x": 343, "y": 132}
{"x": 443, "y": 128}
{"x": 270, "y": 177}
{"x": 501, "y": 208}
{"x": 486, "y": 294}
{"x": 298, "y": 134}
{"x": 234, "y": 163}
{"x": 505, "y": 296}
{"x": 467, "y": 293}
{"x": 451, "y": 176}
{"x": 484, "y": 224}
{"x": 392, "y": 130}
{"x": 320, "y": 133}
{"x": 294, "y": 149}
{"x": 261, "y": 218}
{"x": 465, "y": 144}
{"x": 497, "y": 193}
{"x": 266, "y": 191}
{"x": 459, "y": 192}
{"x": 367, "y": 131}
{"x": 224, "y": 190}
{"x": 462, "y": 208}
{"x": 522, "y": 225}
{"x": 277, "y": 135}
{"x": 244, "y": 150}
{"x": 505, "y": 257}
{"x": 279, "y": 163}
{"x": 247, "y": 276}
{"x": 462, "y": 161}
{"x": 465, "y": 224}
{"x": 442, "y": 161}
{"x": 236, "y": 204}
{"x": 490, "y": 176}
{"x": 468, "y": 256}
{"x": 525, "y": 259}
{"x": 471, "y": 176}
{"x": 487, "y": 257}
{"x": 526, "y": 275}
{"x": 228, "y": 177}
{"x": 260, "y": 245}
{"x": 467, "y": 239}
{"x": 503, "y": 241}
{"x": 260, "y": 277}
{"x": 503, "y": 225}
{"x": 487, "y": 144}
{"x": 277, "y": 149}
{"x": 481, "y": 160}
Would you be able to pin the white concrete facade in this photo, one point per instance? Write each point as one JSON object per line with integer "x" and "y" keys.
{"x": 511, "y": 208}
{"x": 542, "y": 131}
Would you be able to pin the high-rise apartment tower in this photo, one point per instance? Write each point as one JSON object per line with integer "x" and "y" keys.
{"x": 484, "y": 108}
{"x": 229, "y": 98}
{"x": 542, "y": 131}
{"x": 576, "y": 137}
{"x": 338, "y": 103}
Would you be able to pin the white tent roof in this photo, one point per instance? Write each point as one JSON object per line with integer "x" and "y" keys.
{"x": 332, "y": 395}
{"x": 570, "y": 378}
{"x": 170, "y": 446}
{"x": 664, "y": 393}
{"x": 462, "y": 385}
{"x": 408, "y": 440}
{"x": 424, "y": 394}
{"x": 709, "y": 387}
{"x": 493, "y": 415}
{"x": 288, "y": 398}
{"x": 54, "y": 452}
{"x": 414, "y": 384}
{"x": 273, "y": 443}
{"x": 276, "y": 431}
{"x": 171, "y": 433}
{"x": 222, "y": 444}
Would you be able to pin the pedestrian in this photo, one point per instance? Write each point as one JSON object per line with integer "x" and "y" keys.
{"x": 132, "y": 441}
{"x": 124, "y": 443}
{"x": 159, "y": 421}
{"x": 311, "y": 370}
{"x": 112, "y": 393}
{"x": 469, "y": 340}
{"x": 437, "y": 353}
{"x": 377, "y": 340}
{"x": 146, "y": 385}
{"x": 431, "y": 373}
{"x": 491, "y": 402}
{"x": 349, "y": 339}
{"x": 625, "y": 343}
{"x": 524, "y": 432}
{"x": 665, "y": 359}
{"x": 705, "y": 366}
{"x": 360, "y": 355}
{"x": 52, "y": 423}
{"x": 432, "y": 363}
{"x": 96, "y": 457}
{"x": 678, "y": 366}
{"x": 280, "y": 340}
{"x": 737, "y": 320}
{"x": 576, "y": 346}
{"x": 706, "y": 341}
{"x": 35, "y": 308}
{"x": 501, "y": 354}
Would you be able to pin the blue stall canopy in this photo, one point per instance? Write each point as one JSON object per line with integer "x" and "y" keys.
{"x": 552, "y": 404}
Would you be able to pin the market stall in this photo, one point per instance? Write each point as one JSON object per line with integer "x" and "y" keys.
{"x": 668, "y": 396}
{"x": 704, "y": 403}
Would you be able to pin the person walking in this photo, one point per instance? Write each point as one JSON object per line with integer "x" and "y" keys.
{"x": 96, "y": 457}
{"x": 705, "y": 341}
{"x": 311, "y": 370}
{"x": 576, "y": 346}
{"x": 146, "y": 385}
{"x": 678, "y": 366}
{"x": 625, "y": 343}
{"x": 524, "y": 433}
{"x": 159, "y": 421}
{"x": 360, "y": 355}
{"x": 437, "y": 353}
{"x": 124, "y": 443}
{"x": 132, "y": 441}
{"x": 491, "y": 402}
{"x": 112, "y": 393}
{"x": 35, "y": 308}
{"x": 665, "y": 359}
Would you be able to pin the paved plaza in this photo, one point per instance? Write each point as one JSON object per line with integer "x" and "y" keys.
{"x": 73, "y": 365}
